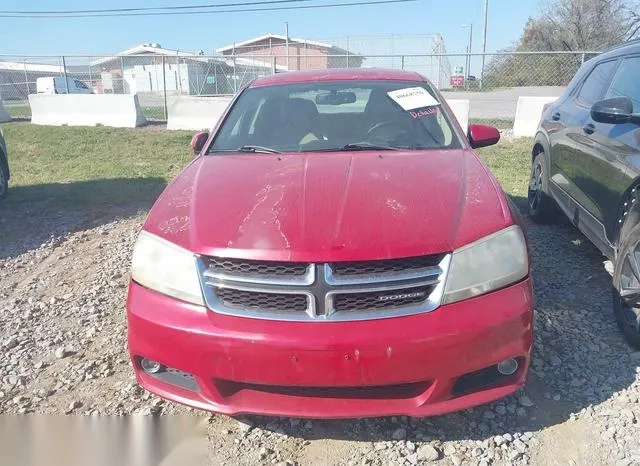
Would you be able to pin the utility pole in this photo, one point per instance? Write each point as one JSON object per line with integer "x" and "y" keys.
{"x": 467, "y": 65}
{"x": 468, "y": 71}
{"x": 286, "y": 30}
{"x": 484, "y": 40}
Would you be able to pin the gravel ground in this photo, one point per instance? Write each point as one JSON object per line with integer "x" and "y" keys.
{"x": 63, "y": 336}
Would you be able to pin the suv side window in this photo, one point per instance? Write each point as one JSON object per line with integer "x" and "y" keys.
{"x": 625, "y": 83}
{"x": 597, "y": 83}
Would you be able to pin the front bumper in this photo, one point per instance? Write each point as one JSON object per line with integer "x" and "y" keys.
{"x": 399, "y": 366}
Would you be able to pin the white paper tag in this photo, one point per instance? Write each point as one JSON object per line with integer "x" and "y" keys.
{"x": 412, "y": 98}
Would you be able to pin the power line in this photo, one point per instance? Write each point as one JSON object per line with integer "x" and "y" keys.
{"x": 207, "y": 12}
{"x": 136, "y": 9}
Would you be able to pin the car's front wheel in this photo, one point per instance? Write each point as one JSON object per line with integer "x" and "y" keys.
{"x": 626, "y": 287}
{"x": 4, "y": 180}
{"x": 542, "y": 208}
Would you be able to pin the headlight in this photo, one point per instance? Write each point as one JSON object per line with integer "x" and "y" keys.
{"x": 166, "y": 268}
{"x": 488, "y": 264}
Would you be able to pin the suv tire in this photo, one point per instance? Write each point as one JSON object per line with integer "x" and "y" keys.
{"x": 626, "y": 287}
{"x": 542, "y": 208}
{"x": 4, "y": 179}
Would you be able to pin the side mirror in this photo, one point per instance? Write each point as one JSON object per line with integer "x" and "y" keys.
{"x": 614, "y": 111}
{"x": 483, "y": 136}
{"x": 198, "y": 141}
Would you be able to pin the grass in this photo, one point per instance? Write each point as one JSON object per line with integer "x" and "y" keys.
{"x": 497, "y": 122}
{"x": 95, "y": 167}
{"x": 510, "y": 161}
{"x": 17, "y": 110}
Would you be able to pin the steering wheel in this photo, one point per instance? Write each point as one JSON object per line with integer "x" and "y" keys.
{"x": 397, "y": 130}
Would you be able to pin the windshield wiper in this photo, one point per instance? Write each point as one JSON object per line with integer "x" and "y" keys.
{"x": 258, "y": 150}
{"x": 366, "y": 146}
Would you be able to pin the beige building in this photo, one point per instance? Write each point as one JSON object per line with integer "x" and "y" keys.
{"x": 293, "y": 54}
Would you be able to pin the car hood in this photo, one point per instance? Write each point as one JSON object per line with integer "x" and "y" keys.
{"x": 330, "y": 206}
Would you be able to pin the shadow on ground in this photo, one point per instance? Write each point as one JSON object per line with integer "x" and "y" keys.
{"x": 580, "y": 358}
{"x": 32, "y": 215}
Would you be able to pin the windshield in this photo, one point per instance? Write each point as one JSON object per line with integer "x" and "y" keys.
{"x": 340, "y": 115}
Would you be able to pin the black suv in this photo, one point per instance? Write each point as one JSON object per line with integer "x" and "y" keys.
{"x": 4, "y": 167}
{"x": 586, "y": 163}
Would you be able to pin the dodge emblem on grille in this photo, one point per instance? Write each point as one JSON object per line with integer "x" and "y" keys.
{"x": 398, "y": 297}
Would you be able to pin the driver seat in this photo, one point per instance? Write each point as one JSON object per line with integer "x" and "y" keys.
{"x": 300, "y": 119}
{"x": 380, "y": 107}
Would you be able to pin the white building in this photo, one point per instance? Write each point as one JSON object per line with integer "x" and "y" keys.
{"x": 149, "y": 68}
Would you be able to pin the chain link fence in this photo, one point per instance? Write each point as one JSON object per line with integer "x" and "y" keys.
{"x": 492, "y": 84}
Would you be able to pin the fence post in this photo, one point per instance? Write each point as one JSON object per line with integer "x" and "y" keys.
{"x": 402, "y": 62}
{"x": 26, "y": 78}
{"x": 64, "y": 70}
{"x": 199, "y": 89}
{"x": 215, "y": 77}
{"x": 235, "y": 76}
{"x": 122, "y": 80}
{"x": 274, "y": 65}
{"x": 164, "y": 86}
{"x": 179, "y": 75}
{"x": 347, "y": 51}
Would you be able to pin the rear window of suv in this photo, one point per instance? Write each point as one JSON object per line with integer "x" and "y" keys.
{"x": 596, "y": 85}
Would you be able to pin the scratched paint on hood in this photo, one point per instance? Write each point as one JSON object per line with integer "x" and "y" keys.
{"x": 330, "y": 206}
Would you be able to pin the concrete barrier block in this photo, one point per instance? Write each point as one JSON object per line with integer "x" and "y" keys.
{"x": 528, "y": 114}
{"x": 195, "y": 113}
{"x": 460, "y": 108}
{"x": 4, "y": 116}
{"x": 119, "y": 111}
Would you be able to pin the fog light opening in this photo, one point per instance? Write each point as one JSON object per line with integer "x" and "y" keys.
{"x": 508, "y": 366}
{"x": 150, "y": 366}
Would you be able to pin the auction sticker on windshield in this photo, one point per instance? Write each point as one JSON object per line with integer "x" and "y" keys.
{"x": 412, "y": 98}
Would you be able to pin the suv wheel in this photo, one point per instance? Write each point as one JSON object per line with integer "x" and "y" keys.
{"x": 626, "y": 287}
{"x": 542, "y": 208}
{"x": 4, "y": 180}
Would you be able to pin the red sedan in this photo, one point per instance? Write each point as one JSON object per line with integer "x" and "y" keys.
{"x": 336, "y": 249}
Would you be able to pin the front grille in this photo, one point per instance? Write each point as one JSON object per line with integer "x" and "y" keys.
{"x": 229, "y": 388}
{"x": 256, "y": 268}
{"x": 388, "y": 266}
{"x": 340, "y": 291}
{"x": 266, "y": 302}
{"x": 395, "y": 299}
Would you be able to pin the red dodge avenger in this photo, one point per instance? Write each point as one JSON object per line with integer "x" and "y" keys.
{"x": 336, "y": 249}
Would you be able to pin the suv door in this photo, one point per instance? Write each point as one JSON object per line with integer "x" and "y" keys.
{"x": 603, "y": 153}
{"x": 616, "y": 160}
{"x": 575, "y": 146}
{"x": 567, "y": 120}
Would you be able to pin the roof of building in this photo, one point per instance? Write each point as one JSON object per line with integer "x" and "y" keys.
{"x": 145, "y": 49}
{"x": 155, "y": 49}
{"x": 339, "y": 74}
{"x": 32, "y": 67}
{"x": 255, "y": 40}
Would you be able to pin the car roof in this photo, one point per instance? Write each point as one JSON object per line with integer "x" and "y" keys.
{"x": 338, "y": 74}
{"x": 623, "y": 48}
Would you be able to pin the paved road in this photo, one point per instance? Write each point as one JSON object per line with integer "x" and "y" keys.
{"x": 500, "y": 104}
